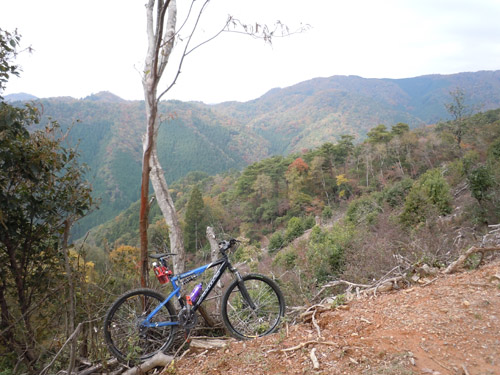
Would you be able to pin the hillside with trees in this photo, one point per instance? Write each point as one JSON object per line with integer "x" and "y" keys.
{"x": 320, "y": 110}
{"x": 401, "y": 201}
{"x": 107, "y": 132}
{"x": 383, "y": 214}
{"x": 218, "y": 138}
{"x": 43, "y": 191}
{"x": 371, "y": 208}
{"x": 398, "y": 182}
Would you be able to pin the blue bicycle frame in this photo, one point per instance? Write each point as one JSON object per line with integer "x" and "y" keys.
{"x": 185, "y": 278}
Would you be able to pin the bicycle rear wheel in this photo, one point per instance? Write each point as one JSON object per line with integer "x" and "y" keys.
{"x": 126, "y": 338}
{"x": 253, "y": 307}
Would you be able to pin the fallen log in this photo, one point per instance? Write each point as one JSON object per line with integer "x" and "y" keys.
{"x": 462, "y": 258}
{"x": 98, "y": 367}
{"x": 208, "y": 343}
{"x": 158, "y": 360}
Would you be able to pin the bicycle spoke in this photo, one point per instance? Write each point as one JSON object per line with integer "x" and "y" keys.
{"x": 125, "y": 335}
{"x": 246, "y": 322}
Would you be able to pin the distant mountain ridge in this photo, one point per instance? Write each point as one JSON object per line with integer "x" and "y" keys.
{"x": 19, "y": 97}
{"x": 319, "y": 110}
{"x": 215, "y": 138}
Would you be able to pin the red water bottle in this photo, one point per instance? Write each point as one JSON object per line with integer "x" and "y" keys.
{"x": 162, "y": 273}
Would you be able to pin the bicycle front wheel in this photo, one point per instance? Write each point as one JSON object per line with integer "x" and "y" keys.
{"x": 124, "y": 333}
{"x": 252, "y": 307}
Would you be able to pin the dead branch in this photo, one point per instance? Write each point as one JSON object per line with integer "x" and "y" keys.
{"x": 430, "y": 282}
{"x": 96, "y": 368}
{"x": 75, "y": 332}
{"x": 208, "y": 343}
{"x": 307, "y": 315}
{"x": 158, "y": 360}
{"x": 337, "y": 283}
{"x": 383, "y": 285}
{"x": 314, "y": 359}
{"x": 462, "y": 258}
{"x": 306, "y": 343}
{"x": 316, "y": 324}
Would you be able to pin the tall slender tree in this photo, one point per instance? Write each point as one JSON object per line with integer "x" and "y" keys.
{"x": 194, "y": 230}
{"x": 163, "y": 35}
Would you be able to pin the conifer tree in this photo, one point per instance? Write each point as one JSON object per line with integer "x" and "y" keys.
{"x": 195, "y": 229}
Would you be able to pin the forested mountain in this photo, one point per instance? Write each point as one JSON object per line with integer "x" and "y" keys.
{"x": 319, "y": 110}
{"x": 231, "y": 135}
{"x": 109, "y": 130}
{"x": 419, "y": 194}
{"x": 387, "y": 210}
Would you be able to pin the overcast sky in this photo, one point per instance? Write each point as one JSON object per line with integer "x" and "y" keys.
{"x": 83, "y": 47}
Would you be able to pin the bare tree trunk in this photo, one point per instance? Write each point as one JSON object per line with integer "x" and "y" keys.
{"x": 160, "y": 44}
{"x": 168, "y": 210}
{"x": 161, "y": 32}
{"x": 214, "y": 254}
{"x": 144, "y": 209}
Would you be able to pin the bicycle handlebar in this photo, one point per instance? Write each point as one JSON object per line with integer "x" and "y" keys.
{"x": 226, "y": 245}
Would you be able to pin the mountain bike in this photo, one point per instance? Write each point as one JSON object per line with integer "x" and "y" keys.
{"x": 142, "y": 322}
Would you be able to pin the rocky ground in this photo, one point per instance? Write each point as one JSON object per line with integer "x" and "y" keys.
{"x": 449, "y": 325}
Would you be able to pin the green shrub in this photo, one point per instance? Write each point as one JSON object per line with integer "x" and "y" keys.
{"x": 364, "y": 210}
{"x": 494, "y": 150}
{"x": 294, "y": 229}
{"x": 268, "y": 211}
{"x": 326, "y": 249}
{"x": 455, "y": 172}
{"x": 276, "y": 242}
{"x": 480, "y": 181}
{"x": 309, "y": 222}
{"x": 395, "y": 194}
{"x": 287, "y": 258}
{"x": 249, "y": 254}
{"x": 327, "y": 213}
{"x": 429, "y": 194}
{"x": 470, "y": 160}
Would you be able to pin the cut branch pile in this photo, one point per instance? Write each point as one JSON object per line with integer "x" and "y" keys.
{"x": 385, "y": 284}
{"x": 489, "y": 243}
{"x": 492, "y": 238}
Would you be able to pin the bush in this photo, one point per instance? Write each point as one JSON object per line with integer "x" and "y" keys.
{"x": 287, "y": 258}
{"x": 309, "y": 222}
{"x": 395, "y": 195}
{"x": 249, "y": 254}
{"x": 276, "y": 242}
{"x": 480, "y": 180}
{"x": 365, "y": 209}
{"x": 429, "y": 194}
{"x": 455, "y": 172}
{"x": 325, "y": 254}
{"x": 470, "y": 160}
{"x": 327, "y": 213}
{"x": 494, "y": 150}
{"x": 294, "y": 229}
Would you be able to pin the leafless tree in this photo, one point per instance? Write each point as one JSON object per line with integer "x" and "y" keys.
{"x": 164, "y": 35}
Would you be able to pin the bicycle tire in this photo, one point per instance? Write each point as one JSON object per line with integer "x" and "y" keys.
{"x": 241, "y": 320}
{"x": 122, "y": 333}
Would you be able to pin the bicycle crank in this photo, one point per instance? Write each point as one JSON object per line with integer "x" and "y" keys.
{"x": 187, "y": 318}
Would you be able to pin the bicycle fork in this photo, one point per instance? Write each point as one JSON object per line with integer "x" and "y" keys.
{"x": 243, "y": 289}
